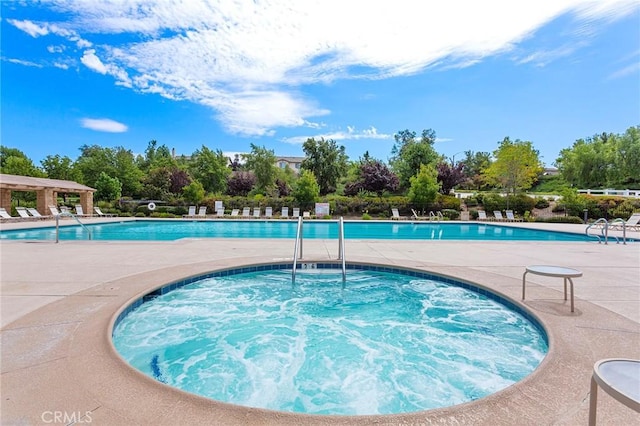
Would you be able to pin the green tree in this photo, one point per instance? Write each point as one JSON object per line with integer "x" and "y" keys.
{"x": 15, "y": 162}
{"x": 475, "y": 163}
{"x": 262, "y": 162}
{"x": 424, "y": 186}
{"x": 210, "y": 168}
{"x": 156, "y": 156}
{"x": 326, "y": 160}
{"x": 63, "y": 168}
{"x": 408, "y": 154}
{"x": 157, "y": 184}
{"x": 115, "y": 162}
{"x": 194, "y": 192}
{"x": 107, "y": 188}
{"x": 516, "y": 167}
{"x": 306, "y": 190}
{"x": 624, "y": 155}
{"x": 585, "y": 164}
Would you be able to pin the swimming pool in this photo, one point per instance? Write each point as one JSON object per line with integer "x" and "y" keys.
{"x": 170, "y": 230}
{"x": 391, "y": 341}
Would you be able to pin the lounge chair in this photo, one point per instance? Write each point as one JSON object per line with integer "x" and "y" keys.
{"x": 306, "y": 215}
{"x": 4, "y": 214}
{"x": 417, "y": 217}
{"x": 100, "y": 213}
{"x": 220, "y": 212}
{"x": 235, "y": 212}
{"x": 202, "y": 211}
{"x": 80, "y": 211}
{"x": 511, "y": 217}
{"x": 246, "y": 212}
{"x": 35, "y": 213}
{"x": 256, "y": 212}
{"x": 65, "y": 210}
{"x": 218, "y": 205}
{"x": 23, "y": 213}
{"x": 192, "y": 212}
{"x": 284, "y": 213}
{"x": 296, "y": 212}
{"x": 633, "y": 223}
{"x": 396, "y": 215}
{"x": 498, "y": 215}
{"x": 482, "y": 215}
{"x": 268, "y": 212}
{"x": 54, "y": 210}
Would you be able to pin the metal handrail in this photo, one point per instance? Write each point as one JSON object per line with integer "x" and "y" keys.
{"x": 624, "y": 229}
{"x": 341, "y": 249}
{"x": 74, "y": 217}
{"x": 298, "y": 244}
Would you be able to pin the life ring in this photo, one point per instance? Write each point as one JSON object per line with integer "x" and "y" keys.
{"x": 151, "y": 206}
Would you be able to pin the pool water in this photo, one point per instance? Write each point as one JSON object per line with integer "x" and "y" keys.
{"x": 386, "y": 343}
{"x": 170, "y": 230}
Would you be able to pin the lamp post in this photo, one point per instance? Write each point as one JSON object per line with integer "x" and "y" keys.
{"x": 453, "y": 158}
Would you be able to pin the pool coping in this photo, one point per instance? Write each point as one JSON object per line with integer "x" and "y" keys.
{"x": 87, "y": 372}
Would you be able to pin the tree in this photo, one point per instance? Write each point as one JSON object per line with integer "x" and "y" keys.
{"x": 240, "y": 183}
{"x": 178, "y": 180}
{"x": 307, "y": 189}
{"x": 375, "y": 177}
{"x": 625, "y": 154}
{"x": 63, "y": 168}
{"x": 194, "y": 192}
{"x": 157, "y": 184}
{"x": 15, "y": 162}
{"x": 210, "y": 168}
{"x": 326, "y": 160}
{"x": 408, "y": 154}
{"x": 516, "y": 167}
{"x": 156, "y": 156}
{"x": 107, "y": 188}
{"x": 263, "y": 164}
{"x": 424, "y": 186}
{"x": 115, "y": 162}
{"x": 449, "y": 176}
{"x": 475, "y": 164}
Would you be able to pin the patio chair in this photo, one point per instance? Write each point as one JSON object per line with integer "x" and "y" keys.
{"x": 268, "y": 212}
{"x": 192, "y": 212}
{"x": 284, "y": 213}
{"x": 202, "y": 211}
{"x": 23, "y": 213}
{"x": 256, "y": 212}
{"x": 246, "y": 212}
{"x": 54, "y": 210}
{"x": 396, "y": 215}
{"x": 633, "y": 223}
{"x": 100, "y": 213}
{"x": 65, "y": 210}
{"x": 80, "y": 211}
{"x": 220, "y": 212}
{"x": 511, "y": 217}
{"x": 306, "y": 215}
{"x": 482, "y": 215}
{"x": 4, "y": 214}
{"x": 418, "y": 217}
{"x": 235, "y": 212}
{"x": 498, "y": 215}
{"x": 296, "y": 212}
{"x": 35, "y": 213}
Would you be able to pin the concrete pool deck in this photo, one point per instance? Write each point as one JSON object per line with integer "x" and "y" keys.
{"x": 58, "y": 300}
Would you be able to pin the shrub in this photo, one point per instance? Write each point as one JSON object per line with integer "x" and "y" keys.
{"x": 471, "y": 202}
{"x": 451, "y": 214}
{"x": 366, "y": 216}
{"x": 560, "y": 219}
{"x": 541, "y": 203}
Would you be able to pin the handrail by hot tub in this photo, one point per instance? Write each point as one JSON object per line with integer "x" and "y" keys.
{"x": 298, "y": 245}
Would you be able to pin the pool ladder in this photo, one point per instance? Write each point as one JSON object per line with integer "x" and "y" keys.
{"x": 297, "y": 249}
{"x": 72, "y": 216}
{"x": 604, "y": 225}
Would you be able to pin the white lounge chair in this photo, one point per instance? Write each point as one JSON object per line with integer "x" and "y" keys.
{"x": 418, "y": 217}
{"x": 256, "y": 212}
{"x": 191, "y": 213}
{"x": 65, "y": 210}
{"x": 100, "y": 213}
{"x": 23, "y": 213}
{"x": 268, "y": 212}
{"x": 4, "y": 214}
{"x": 511, "y": 217}
{"x": 36, "y": 214}
{"x": 220, "y": 212}
{"x": 296, "y": 212}
{"x": 482, "y": 215}
{"x": 396, "y": 215}
{"x": 202, "y": 211}
{"x": 498, "y": 215}
{"x": 246, "y": 212}
{"x": 306, "y": 215}
{"x": 284, "y": 213}
{"x": 54, "y": 210}
{"x": 235, "y": 212}
{"x": 633, "y": 223}
{"x": 80, "y": 211}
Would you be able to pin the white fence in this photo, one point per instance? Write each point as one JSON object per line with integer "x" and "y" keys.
{"x": 630, "y": 193}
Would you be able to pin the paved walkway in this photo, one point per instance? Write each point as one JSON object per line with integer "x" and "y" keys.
{"x": 57, "y": 302}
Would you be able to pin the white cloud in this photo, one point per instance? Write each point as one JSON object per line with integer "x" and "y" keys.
{"x": 23, "y": 62}
{"x": 628, "y": 70}
{"x": 248, "y": 60}
{"x": 351, "y": 134}
{"x": 103, "y": 125}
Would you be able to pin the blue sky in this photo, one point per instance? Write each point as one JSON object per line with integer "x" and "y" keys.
{"x": 226, "y": 74}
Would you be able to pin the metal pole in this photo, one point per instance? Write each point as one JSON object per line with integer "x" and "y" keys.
{"x": 57, "y": 230}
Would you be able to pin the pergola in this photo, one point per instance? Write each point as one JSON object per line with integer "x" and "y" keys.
{"x": 46, "y": 191}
